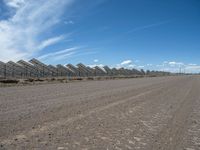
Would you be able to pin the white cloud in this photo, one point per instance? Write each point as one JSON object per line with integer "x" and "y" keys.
{"x": 58, "y": 55}
{"x": 14, "y": 3}
{"x": 192, "y": 68}
{"x": 96, "y": 60}
{"x": 175, "y": 63}
{"x": 21, "y": 34}
{"x": 126, "y": 62}
{"x": 140, "y": 66}
{"x": 50, "y": 41}
{"x": 160, "y": 65}
{"x": 149, "y": 65}
{"x": 192, "y": 64}
{"x": 169, "y": 66}
{"x": 148, "y": 26}
{"x": 62, "y": 57}
{"x": 131, "y": 66}
{"x": 176, "y": 67}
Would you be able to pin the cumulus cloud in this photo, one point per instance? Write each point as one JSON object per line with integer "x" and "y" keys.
{"x": 175, "y": 63}
{"x": 126, "y": 62}
{"x": 22, "y": 35}
{"x": 129, "y": 64}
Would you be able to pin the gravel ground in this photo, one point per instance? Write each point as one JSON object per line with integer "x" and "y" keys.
{"x": 160, "y": 113}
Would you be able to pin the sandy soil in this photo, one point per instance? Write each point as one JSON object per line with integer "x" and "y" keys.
{"x": 149, "y": 114}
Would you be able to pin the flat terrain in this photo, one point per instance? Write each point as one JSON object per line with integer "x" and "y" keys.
{"x": 148, "y": 114}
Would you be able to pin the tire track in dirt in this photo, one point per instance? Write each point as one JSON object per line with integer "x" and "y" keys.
{"x": 138, "y": 112}
{"x": 52, "y": 125}
{"x": 171, "y": 136}
{"x": 136, "y": 99}
{"x": 76, "y": 104}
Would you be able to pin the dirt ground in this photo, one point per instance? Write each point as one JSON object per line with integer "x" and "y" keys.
{"x": 160, "y": 113}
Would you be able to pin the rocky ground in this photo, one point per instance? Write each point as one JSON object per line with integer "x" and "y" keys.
{"x": 160, "y": 113}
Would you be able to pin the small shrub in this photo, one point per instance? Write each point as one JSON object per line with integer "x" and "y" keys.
{"x": 9, "y": 81}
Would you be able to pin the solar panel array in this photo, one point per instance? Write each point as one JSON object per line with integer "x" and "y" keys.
{"x": 2, "y": 69}
{"x": 36, "y": 69}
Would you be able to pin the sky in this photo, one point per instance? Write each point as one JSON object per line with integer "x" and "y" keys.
{"x": 143, "y": 34}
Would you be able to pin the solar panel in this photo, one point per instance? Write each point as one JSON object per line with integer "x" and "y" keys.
{"x": 70, "y": 69}
{"x": 108, "y": 70}
{"x": 91, "y": 70}
{"x": 37, "y": 62}
{"x": 128, "y": 72}
{"x": 9, "y": 72}
{"x": 72, "y": 73}
{"x": 15, "y": 70}
{"x": 122, "y": 71}
{"x": 84, "y": 71}
{"x": 115, "y": 71}
{"x": 2, "y": 63}
{"x": 136, "y": 72}
{"x": 74, "y": 69}
{"x": 2, "y": 69}
{"x": 29, "y": 69}
{"x": 35, "y": 68}
{"x": 63, "y": 71}
{"x": 41, "y": 67}
{"x": 99, "y": 71}
{"x": 53, "y": 70}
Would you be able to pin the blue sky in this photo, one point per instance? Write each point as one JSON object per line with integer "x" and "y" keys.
{"x": 142, "y": 34}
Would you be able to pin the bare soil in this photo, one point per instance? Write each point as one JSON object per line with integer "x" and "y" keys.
{"x": 161, "y": 113}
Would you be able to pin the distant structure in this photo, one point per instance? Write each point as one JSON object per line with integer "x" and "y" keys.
{"x": 36, "y": 69}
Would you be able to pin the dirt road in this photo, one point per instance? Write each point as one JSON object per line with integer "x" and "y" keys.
{"x": 148, "y": 114}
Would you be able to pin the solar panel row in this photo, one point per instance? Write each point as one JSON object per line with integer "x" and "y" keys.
{"x": 36, "y": 69}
